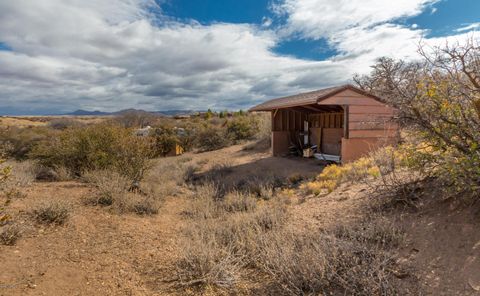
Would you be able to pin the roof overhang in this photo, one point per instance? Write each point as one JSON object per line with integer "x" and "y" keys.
{"x": 308, "y": 99}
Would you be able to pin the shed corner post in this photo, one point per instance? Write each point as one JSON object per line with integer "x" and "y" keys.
{"x": 346, "y": 127}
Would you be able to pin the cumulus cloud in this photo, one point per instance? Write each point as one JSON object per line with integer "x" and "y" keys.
{"x": 322, "y": 18}
{"x": 109, "y": 55}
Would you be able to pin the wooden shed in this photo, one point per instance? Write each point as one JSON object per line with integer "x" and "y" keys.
{"x": 342, "y": 122}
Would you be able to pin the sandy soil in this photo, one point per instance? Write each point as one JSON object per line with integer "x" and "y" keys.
{"x": 100, "y": 253}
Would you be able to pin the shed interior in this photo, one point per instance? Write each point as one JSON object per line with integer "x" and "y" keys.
{"x": 299, "y": 127}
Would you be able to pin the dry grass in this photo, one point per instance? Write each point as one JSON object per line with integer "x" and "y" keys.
{"x": 9, "y": 234}
{"x": 22, "y": 175}
{"x": 51, "y": 212}
{"x": 229, "y": 238}
{"x": 351, "y": 260}
{"x": 222, "y": 236}
{"x": 113, "y": 191}
{"x": 110, "y": 185}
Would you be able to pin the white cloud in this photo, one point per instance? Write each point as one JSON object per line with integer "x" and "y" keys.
{"x": 469, "y": 27}
{"x": 323, "y": 18}
{"x": 83, "y": 57}
{"x": 108, "y": 55}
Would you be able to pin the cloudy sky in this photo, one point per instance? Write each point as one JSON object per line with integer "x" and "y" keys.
{"x": 61, "y": 55}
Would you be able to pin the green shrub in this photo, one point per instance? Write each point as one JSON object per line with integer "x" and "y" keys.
{"x": 95, "y": 148}
{"x": 165, "y": 140}
{"x": 21, "y": 141}
{"x": 242, "y": 128}
{"x": 187, "y": 137}
{"x": 211, "y": 138}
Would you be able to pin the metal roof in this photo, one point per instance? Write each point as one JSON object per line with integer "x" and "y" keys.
{"x": 307, "y": 98}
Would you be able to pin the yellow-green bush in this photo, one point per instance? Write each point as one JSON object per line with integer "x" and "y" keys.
{"x": 378, "y": 164}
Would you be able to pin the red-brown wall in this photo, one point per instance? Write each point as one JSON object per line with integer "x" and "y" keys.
{"x": 370, "y": 124}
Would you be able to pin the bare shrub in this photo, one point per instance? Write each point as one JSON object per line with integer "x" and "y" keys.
{"x": 23, "y": 173}
{"x": 110, "y": 186}
{"x": 9, "y": 234}
{"x": 51, "y": 212}
{"x": 437, "y": 99}
{"x": 217, "y": 172}
{"x": 401, "y": 174}
{"x": 112, "y": 189}
{"x": 189, "y": 174}
{"x": 62, "y": 173}
{"x": 21, "y": 176}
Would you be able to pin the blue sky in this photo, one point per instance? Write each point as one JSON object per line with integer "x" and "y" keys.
{"x": 60, "y": 55}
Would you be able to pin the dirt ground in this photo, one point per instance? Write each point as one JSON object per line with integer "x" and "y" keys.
{"x": 100, "y": 253}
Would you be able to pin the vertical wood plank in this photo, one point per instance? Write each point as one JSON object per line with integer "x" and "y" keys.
{"x": 345, "y": 122}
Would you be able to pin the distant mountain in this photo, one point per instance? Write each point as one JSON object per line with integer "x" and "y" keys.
{"x": 176, "y": 112}
{"x": 81, "y": 112}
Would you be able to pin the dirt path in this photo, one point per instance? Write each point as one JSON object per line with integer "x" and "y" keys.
{"x": 95, "y": 251}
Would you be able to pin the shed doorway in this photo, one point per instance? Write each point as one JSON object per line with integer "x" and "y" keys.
{"x": 315, "y": 127}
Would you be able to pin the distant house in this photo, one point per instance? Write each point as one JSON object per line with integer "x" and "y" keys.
{"x": 341, "y": 123}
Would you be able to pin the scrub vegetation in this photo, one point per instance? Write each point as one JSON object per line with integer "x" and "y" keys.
{"x": 227, "y": 218}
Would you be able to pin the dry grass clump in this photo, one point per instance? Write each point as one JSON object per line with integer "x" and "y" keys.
{"x": 146, "y": 206}
{"x": 229, "y": 238}
{"x": 21, "y": 176}
{"x": 110, "y": 186}
{"x": 216, "y": 251}
{"x": 238, "y": 202}
{"x": 51, "y": 212}
{"x": 209, "y": 202}
{"x": 262, "y": 186}
{"x": 223, "y": 236}
{"x": 9, "y": 234}
{"x": 330, "y": 263}
{"x": 53, "y": 174}
{"x": 204, "y": 203}
{"x": 113, "y": 190}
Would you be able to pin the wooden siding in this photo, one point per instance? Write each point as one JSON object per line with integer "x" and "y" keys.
{"x": 326, "y": 120}
{"x": 292, "y": 120}
{"x": 367, "y": 117}
{"x": 349, "y": 97}
{"x": 287, "y": 120}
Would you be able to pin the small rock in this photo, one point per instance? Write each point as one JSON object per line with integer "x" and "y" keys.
{"x": 474, "y": 286}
